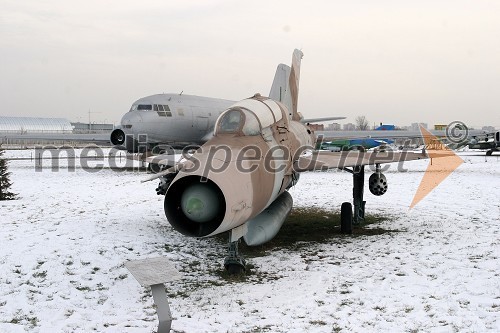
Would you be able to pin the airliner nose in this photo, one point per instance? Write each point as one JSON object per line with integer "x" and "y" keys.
{"x": 130, "y": 119}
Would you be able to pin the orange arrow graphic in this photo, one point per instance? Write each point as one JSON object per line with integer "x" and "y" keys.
{"x": 442, "y": 163}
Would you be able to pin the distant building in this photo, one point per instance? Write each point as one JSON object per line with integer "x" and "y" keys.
{"x": 488, "y": 128}
{"x": 440, "y": 127}
{"x": 317, "y": 127}
{"x": 416, "y": 126}
{"x": 333, "y": 127}
{"x": 92, "y": 128}
{"x": 349, "y": 127}
{"x": 31, "y": 125}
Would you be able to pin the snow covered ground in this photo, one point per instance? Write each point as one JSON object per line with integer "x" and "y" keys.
{"x": 63, "y": 245}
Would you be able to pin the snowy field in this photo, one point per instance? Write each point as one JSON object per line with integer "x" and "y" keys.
{"x": 65, "y": 241}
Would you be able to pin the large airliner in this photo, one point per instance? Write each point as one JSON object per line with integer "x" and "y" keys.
{"x": 179, "y": 120}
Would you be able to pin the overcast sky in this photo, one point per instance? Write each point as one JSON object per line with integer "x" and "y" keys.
{"x": 392, "y": 61}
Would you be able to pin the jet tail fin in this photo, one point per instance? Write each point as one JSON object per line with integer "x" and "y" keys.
{"x": 292, "y": 91}
{"x": 280, "y": 83}
{"x": 285, "y": 88}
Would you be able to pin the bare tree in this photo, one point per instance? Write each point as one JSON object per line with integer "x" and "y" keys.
{"x": 361, "y": 123}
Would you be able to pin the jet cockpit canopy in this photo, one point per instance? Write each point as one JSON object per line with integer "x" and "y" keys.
{"x": 249, "y": 117}
{"x": 238, "y": 120}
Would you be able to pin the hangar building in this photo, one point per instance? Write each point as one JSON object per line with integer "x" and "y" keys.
{"x": 31, "y": 125}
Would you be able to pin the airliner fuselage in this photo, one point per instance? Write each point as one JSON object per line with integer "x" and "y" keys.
{"x": 174, "y": 119}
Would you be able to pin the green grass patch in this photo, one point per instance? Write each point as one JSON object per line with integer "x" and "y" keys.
{"x": 311, "y": 225}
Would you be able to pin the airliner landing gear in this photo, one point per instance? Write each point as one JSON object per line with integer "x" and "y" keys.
{"x": 234, "y": 263}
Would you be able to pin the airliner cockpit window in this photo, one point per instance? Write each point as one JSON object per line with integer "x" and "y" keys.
{"x": 230, "y": 122}
{"x": 144, "y": 107}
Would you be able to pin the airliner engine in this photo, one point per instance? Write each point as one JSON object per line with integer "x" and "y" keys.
{"x": 117, "y": 137}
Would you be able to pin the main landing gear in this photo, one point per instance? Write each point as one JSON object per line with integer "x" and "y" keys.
{"x": 377, "y": 185}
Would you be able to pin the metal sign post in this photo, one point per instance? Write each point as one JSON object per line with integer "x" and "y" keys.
{"x": 154, "y": 272}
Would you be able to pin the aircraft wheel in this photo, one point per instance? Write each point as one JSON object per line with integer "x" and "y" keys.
{"x": 489, "y": 152}
{"x": 235, "y": 269}
{"x": 154, "y": 168}
{"x": 346, "y": 218}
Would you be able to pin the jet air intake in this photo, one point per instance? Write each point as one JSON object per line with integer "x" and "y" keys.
{"x": 195, "y": 206}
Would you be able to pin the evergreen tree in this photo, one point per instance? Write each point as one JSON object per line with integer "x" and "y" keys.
{"x": 5, "y": 183}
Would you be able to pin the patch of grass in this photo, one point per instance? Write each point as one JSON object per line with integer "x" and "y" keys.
{"x": 409, "y": 309}
{"x": 180, "y": 293}
{"x": 251, "y": 274}
{"x": 41, "y": 275}
{"x": 121, "y": 277}
{"x": 306, "y": 225}
{"x": 21, "y": 318}
{"x": 260, "y": 329}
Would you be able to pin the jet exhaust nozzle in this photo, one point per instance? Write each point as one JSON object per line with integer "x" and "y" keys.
{"x": 195, "y": 206}
{"x": 377, "y": 184}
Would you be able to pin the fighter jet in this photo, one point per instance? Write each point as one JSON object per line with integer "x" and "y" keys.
{"x": 238, "y": 181}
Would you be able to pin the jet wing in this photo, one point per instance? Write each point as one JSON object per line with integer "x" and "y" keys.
{"x": 322, "y": 160}
{"x": 318, "y": 120}
{"x": 392, "y": 134}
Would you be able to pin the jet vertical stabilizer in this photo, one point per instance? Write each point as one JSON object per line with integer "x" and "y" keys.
{"x": 292, "y": 89}
{"x": 280, "y": 83}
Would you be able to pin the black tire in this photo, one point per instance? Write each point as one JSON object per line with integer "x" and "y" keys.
{"x": 235, "y": 269}
{"x": 346, "y": 218}
{"x": 154, "y": 168}
{"x": 489, "y": 152}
